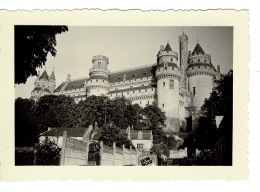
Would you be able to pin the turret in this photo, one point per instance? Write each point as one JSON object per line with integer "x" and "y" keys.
{"x": 168, "y": 76}
{"x": 183, "y": 41}
{"x": 98, "y": 83}
{"x": 201, "y": 73}
{"x": 43, "y": 85}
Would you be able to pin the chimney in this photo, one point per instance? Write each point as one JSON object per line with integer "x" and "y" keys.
{"x": 68, "y": 77}
{"x": 161, "y": 48}
{"x": 218, "y": 69}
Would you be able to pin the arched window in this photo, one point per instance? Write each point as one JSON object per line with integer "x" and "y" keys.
{"x": 140, "y": 135}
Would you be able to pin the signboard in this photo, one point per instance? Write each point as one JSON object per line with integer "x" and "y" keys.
{"x": 147, "y": 160}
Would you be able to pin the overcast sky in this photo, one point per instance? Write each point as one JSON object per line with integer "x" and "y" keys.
{"x": 128, "y": 47}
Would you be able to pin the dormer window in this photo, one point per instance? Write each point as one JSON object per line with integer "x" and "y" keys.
{"x": 140, "y": 135}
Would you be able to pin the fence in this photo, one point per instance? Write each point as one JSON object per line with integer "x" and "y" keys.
{"x": 74, "y": 152}
{"x": 114, "y": 156}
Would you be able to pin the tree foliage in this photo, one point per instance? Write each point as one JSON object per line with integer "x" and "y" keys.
{"x": 111, "y": 133}
{"x": 221, "y": 98}
{"x": 32, "y": 45}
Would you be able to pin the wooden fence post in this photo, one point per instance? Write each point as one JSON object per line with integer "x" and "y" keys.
{"x": 123, "y": 149}
{"x": 63, "y": 149}
{"x": 101, "y": 153}
{"x": 130, "y": 155}
{"x": 114, "y": 154}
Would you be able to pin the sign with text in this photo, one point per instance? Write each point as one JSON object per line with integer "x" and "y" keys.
{"x": 147, "y": 160}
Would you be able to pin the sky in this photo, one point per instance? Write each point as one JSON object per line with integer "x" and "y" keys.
{"x": 128, "y": 47}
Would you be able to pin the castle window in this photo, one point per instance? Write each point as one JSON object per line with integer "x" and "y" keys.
{"x": 116, "y": 94}
{"x": 140, "y": 135}
{"x": 199, "y": 67}
{"x": 205, "y": 60}
{"x": 90, "y": 81}
{"x": 139, "y": 91}
{"x": 133, "y": 91}
{"x": 148, "y": 102}
{"x": 171, "y": 59}
{"x": 131, "y": 87}
{"x": 144, "y": 74}
{"x": 127, "y": 92}
{"x": 103, "y": 80}
{"x": 122, "y": 93}
{"x": 38, "y": 85}
{"x": 140, "y": 102}
{"x": 164, "y": 84}
{"x": 163, "y": 105}
{"x": 198, "y": 60}
{"x": 145, "y": 90}
{"x": 43, "y": 85}
{"x": 111, "y": 95}
{"x": 192, "y": 67}
{"x": 194, "y": 90}
{"x": 142, "y": 85}
{"x": 165, "y": 68}
{"x": 96, "y": 80}
{"x": 141, "y": 78}
{"x": 152, "y": 89}
{"x": 133, "y": 75}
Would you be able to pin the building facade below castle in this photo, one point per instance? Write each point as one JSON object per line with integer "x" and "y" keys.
{"x": 170, "y": 86}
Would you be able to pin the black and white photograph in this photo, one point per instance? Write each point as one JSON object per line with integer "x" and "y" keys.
{"x": 123, "y": 95}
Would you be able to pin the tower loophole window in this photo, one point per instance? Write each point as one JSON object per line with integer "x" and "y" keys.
{"x": 164, "y": 84}
{"x": 194, "y": 90}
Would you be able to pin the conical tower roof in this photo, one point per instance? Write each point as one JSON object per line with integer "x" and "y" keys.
{"x": 44, "y": 75}
{"x": 168, "y": 47}
{"x": 52, "y": 75}
{"x": 198, "y": 50}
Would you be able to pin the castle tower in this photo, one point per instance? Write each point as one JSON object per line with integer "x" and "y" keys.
{"x": 168, "y": 76}
{"x": 52, "y": 82}
{"x": 43, "y": 85}
{"x": 201, "y": 74}
{"x": 98, "y": 83}
{"x": 183, "y": 42}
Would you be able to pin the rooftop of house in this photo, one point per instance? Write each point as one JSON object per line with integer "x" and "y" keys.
{"x": 71, "y": 132}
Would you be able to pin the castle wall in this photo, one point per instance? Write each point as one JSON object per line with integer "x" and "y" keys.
{"x": 203, "y": 87}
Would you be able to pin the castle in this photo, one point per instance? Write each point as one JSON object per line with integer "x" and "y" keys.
{"x": 171, "y": 86}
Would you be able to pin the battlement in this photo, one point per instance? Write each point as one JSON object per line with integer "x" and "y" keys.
{"x": 167, "y": 72}
{"x": 201, "y": 69}
{"x": 168, "y": 53}
{"x": 100, "y": 57}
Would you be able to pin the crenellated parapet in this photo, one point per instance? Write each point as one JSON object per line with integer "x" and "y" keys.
{"x": 167, "y": 72}
{"x": 201, "y": 69}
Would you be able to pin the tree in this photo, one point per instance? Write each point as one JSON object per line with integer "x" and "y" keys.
{"x": 221, "y": 98}
{"x": 110, "y": 133}
{"x": 25, "y": 126}
{"x": 56, "y": 111}
{"x": 32, "y": 45}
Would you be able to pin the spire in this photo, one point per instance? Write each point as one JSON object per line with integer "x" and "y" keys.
{"x": 197, "y": 50}
{"x": 168, "y": 47}
{"x": 52, "y": 77}
{"x": 44, "y": 75}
